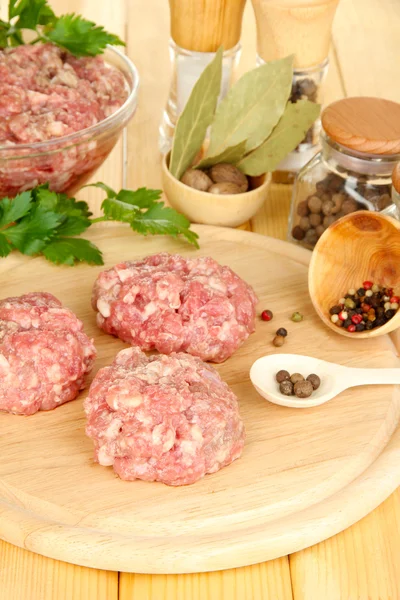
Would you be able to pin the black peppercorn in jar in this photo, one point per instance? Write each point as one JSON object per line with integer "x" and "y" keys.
{"x": 360, "y": 142}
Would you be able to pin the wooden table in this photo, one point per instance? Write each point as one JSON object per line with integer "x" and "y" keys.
{"x": 362, "y": 562}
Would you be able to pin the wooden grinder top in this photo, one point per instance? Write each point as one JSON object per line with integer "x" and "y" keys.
{"x": 370, "y": 125}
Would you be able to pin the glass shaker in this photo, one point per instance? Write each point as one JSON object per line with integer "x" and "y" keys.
{"x": 303, "y": 29}
{"x": 360, "y": 141}
{"x": 198, "y": 29}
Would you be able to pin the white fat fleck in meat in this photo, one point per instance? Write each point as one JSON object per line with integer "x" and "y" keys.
{"x": 103, "y": 308}
{"x": 187, "y": 424}
{"x": 44, "y": 365}
{"x": 168, "y": 303}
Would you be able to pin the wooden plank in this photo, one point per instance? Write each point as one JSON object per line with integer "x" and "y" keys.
{"x": 266, "y": 581}
{"x": 359, "y": 563}
{"x": 28, "y": 576}
{"x": 366, "y": 37}
{"x": 111, "y": 15}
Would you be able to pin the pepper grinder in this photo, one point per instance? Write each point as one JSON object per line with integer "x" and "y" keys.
{"x": 198, "y": 29}
{"x": 302, "y": 28}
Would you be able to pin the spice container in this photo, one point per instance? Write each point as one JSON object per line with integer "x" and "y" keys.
{"x": 302, "y": 29}
{"x": 198, "y": 29}
{"x": 396, "y": 191}
{"x": 360, "y": 142}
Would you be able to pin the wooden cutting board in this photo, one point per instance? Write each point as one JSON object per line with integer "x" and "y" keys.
{"x": 304, "y": 474}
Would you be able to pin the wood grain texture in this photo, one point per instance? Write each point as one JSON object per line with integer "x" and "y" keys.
{"x": 358, "y": 564}
{"x": 207, "y": 25}
{"x": 362, "y": 246}
{"x": 370, "y": 125}
{"x": 28, "y": 576}
{"x": 344, "y": 452}
{"x": 266, "y": 581}
{"x": 292, "y": 27}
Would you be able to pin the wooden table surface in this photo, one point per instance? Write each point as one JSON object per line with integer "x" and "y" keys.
{"x": 362, "y": 562}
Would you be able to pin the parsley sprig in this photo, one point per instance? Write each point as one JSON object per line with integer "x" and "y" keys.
{"x": 72, "y": 32}
{"x": 40, "y": 221}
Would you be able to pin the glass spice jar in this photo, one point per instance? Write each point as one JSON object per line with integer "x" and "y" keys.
{"x": 360, "y": 144}
{"x": 307, "y": 84}
{"x": 396, "y": 190}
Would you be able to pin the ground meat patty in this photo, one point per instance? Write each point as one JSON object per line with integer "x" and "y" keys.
{"x": 163, "y": 418}
{"x": 170, "y": 303}
{"x": 44, "y": 354}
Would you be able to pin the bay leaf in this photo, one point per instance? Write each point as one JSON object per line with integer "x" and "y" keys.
{"x": 231, "y": 155}
{"x": 196, "y": 117}
{"x": 252, "y": 107}
{"x": 289, "y": 132}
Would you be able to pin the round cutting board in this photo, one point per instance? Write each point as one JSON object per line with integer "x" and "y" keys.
{"x": 304, "y": 474}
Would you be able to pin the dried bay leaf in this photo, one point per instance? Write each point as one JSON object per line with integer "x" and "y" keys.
{"x": 231, "y": 155}
{"x": 196, "y": 117}
{"x": 252, "y": 108}
{"x": 289, "y": 132}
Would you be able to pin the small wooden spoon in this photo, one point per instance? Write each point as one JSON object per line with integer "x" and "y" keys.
{"x": 334, "y": 378}
{"x": 362, "y": 246}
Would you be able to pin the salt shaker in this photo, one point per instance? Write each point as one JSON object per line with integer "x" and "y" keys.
{"x": 198, "y": 29}
{"x": 303, "y": 29}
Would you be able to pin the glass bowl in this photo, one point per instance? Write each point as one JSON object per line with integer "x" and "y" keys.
{"x": 68, "y": 162}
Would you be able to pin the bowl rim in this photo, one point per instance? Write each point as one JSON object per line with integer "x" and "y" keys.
{"x": 267, "y": 180}
{"x": 60, "y": 143}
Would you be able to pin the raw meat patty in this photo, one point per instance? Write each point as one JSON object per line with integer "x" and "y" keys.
{"x": 170, "y": 303}
{"x": 44, "y": 354}
{"x": 163, "y": 418}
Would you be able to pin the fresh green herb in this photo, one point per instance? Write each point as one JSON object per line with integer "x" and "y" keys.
{"x": 196, "y": 117}
{"x": 43, "y": 222}
{"x": 72, "y": 32}
{"x": 253, "y": 128}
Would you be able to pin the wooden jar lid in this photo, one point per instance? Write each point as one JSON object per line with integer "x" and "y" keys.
{"x": 396, "y": 178}
{"x": 370, "y": 125}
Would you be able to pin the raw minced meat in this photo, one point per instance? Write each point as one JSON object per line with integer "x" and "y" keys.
{"x": 44, "y": 354}
{"x": 170, "y": 303}
{"x": 163, "y": 418}
{"x": 46, "y": 94}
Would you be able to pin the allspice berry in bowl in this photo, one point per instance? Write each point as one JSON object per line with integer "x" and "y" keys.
{"x": 230, "y": 200}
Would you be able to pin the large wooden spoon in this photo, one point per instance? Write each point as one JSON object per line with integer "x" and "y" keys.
{"x": 362, "y": 246}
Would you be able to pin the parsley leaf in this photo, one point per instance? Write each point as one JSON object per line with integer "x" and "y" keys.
{"x": 40, "y": 221}
{"x": 80, "y": 36}
{"x": 31, "y": 13}
{"x": 12, "y": 210}
{"x": 72, "y": 32}
{"x": 32, "y": 232}
{"x": 164, "y": 220}
{"x": 66, "y": 251}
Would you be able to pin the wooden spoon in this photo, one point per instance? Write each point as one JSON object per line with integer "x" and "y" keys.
{"x": 362, "y": 246}
{"x": 334, "y": 378}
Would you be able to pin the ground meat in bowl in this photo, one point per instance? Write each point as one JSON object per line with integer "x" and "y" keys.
{"x": 171, "y": 304}
{"x": 163, "y": 418}
{"x": 44, "y": 354}
{"x": 47, "y": 94}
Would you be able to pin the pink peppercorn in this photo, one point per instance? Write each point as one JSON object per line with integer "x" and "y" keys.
{"x": 351, "y": 328}
{"x": 367, "y": 285}
{"x": 356, "y": 319}
{"x": 395, "y": 299}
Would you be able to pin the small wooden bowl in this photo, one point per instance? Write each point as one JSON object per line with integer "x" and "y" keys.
{"x": 228, "y": 210}
{"x": 362, "y": 246}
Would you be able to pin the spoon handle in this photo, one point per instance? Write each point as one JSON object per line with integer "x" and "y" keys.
{"x": 372, "y": 376}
